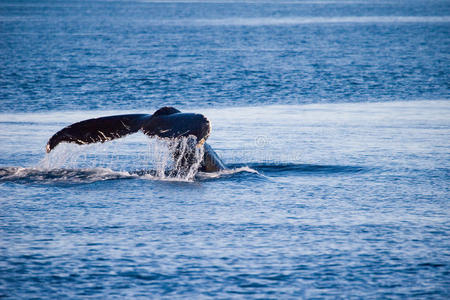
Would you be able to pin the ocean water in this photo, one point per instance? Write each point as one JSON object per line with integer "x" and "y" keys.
{"x": 332, "y": 116}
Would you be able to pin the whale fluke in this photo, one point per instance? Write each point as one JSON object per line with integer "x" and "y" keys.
{"x": 98, "y": 130}
{"x": 166, "y": 122}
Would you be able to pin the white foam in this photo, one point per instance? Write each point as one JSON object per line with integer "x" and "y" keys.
{"x": 61, "y": 175}
{"x": 226, "y": 172}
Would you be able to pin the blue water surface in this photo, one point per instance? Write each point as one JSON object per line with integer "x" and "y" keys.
{"x": 61, "y": 55}
{"x": 332, "y": 116}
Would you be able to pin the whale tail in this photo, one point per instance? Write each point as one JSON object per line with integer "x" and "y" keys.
{"x": 166, "y": 122}
{"x": 97, "y": 130}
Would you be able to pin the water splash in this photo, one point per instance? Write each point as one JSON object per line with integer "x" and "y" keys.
{"x": 158, "y": 159}
{"x": 130, "y": 157}
{"x": 177, "y": 159}
{"x": 189, "y": 157}
{"x": 60, "y": 176}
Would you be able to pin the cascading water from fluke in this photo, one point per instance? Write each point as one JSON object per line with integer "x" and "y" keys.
{"x": 186, "y": 157}
{"x": 171, "y": 159}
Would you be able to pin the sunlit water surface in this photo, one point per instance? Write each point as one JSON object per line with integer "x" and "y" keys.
{"x": 335, "y": 200}
{"x": 332, "y": 117}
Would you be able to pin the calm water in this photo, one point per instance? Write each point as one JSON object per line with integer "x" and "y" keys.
{"x": 333, "y": 117}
